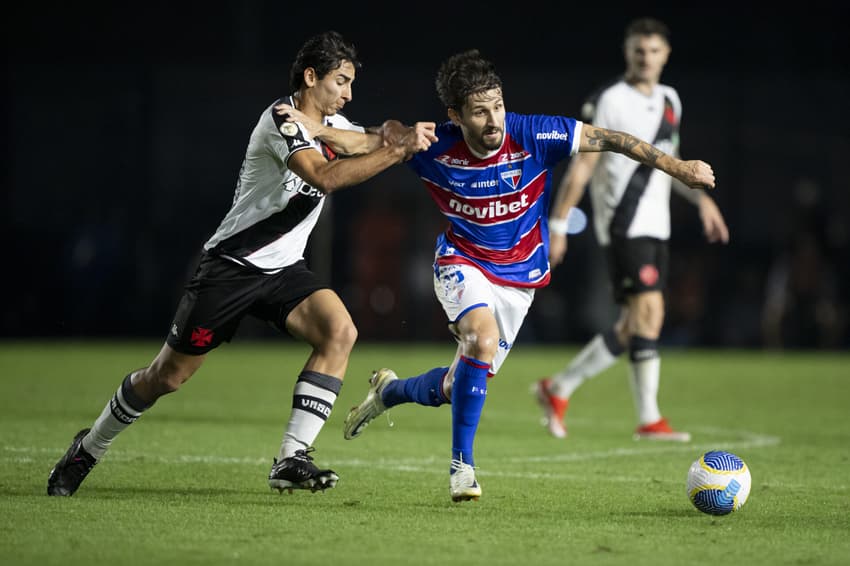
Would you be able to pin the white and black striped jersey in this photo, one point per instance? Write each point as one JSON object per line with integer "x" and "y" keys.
{"x": 273, "y": 210}
{"x": 630, "y": 199}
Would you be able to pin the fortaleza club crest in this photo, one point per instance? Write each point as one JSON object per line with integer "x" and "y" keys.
{"x": 512, "y": 177}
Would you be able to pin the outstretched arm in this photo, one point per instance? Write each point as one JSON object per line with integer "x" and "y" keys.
{"x": 694, "y": 173}
{"x": 329, "y": 176}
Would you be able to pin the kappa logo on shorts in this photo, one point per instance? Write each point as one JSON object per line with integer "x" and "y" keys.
{"x": 201, "y": 337}
{"x": 648, "y": 275}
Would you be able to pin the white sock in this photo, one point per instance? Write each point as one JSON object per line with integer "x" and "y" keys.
{"x": 645, "y": 375}
{"x": 593, "y": 359}
{"x": 312, "y": 402}
{"x": 121, "y": 411}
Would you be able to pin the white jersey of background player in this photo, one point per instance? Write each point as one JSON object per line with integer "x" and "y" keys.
{"x": 640, "y": 193}
{"x": 631, "y": 206}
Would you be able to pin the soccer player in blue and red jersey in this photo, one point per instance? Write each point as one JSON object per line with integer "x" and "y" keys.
{"x": 490, "y": 174}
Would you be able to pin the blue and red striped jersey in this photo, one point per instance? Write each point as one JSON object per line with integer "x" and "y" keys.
{"x": 498, "y": 206}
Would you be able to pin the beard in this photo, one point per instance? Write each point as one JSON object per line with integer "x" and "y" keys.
{"x": 491, "y": 145}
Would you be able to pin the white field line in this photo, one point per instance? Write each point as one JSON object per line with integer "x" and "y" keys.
{"x": 496, "y": 467}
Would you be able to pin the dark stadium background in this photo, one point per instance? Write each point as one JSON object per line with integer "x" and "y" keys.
{"x": 125, "y": 126}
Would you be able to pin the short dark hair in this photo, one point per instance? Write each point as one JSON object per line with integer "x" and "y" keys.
{"x": 464, "y": 74}
{"x": 324, "y": 52}
{"x": 647, "y": 26}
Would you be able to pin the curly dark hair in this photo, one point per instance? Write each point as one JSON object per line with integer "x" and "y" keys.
{"x": 464, "y": 74}
{"x": 324, "y": 52}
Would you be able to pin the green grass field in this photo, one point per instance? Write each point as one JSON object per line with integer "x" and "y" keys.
{"x": 187, "y": 483}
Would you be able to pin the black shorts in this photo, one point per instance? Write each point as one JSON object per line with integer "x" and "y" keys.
{"x": 637, "y": 265}
{"x": 221, "y": 293}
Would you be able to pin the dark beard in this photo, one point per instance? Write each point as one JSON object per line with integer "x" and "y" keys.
{"x": 497, "y": 145}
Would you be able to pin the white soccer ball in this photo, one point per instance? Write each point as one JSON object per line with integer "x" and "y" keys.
{"x": 718, "y": 482}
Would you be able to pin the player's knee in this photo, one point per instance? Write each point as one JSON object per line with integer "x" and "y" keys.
{"x": 341, "y": 335}
{"x": 480, "y": 345}
{"x": 646, "y": 315}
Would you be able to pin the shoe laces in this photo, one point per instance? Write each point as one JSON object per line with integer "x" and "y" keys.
{"x": 81, "y": 463}
{"x": 461, "y": 466}
{"x": 304, "y": 454}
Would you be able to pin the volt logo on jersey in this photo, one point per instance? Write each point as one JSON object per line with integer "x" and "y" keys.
{"x": 511, "y": 177}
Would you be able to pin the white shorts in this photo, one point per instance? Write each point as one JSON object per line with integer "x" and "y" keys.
{"x": 461, "y": 288}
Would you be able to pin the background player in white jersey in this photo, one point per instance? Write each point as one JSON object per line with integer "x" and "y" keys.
{"x": 631, "y": 206}
{"x": 253, "y": 265}
{"x": 490, "y": 175}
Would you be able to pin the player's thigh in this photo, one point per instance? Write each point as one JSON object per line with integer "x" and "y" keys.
{"x": 215, "y": 300}
{"x": 645, "y": 312}
{"x": 477, "y": 307}
{"x": 461, "y": 289}
{"x": 296, "y": 301}
{"x": 637, "y": 265}
{"x": 321, "y": 317}
{"x": 512, "y": 305}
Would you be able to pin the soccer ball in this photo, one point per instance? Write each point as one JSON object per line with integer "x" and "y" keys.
{"x": 718, "y": 483}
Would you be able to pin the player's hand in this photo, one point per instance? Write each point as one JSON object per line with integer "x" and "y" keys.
{"x": 292, "y": 114}
{"x": 557, "y": 248}
{"x": 697, "y": 174}
{"x": 418, "y": 138}
{"x": 393, "y": 132}
{"x": 713, "y": 225}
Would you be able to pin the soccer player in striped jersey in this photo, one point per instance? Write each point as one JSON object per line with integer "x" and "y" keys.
{"x": 631, "y": 207}
{"x": 490, "y": 175}
{"x": 253, "y": 264}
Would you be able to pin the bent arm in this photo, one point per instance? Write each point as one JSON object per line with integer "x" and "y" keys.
{"x": 330, "y": 176}
{"x": 694, "y": 173}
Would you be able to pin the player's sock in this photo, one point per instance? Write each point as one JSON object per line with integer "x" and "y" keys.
{"x": 425, "y": 389}
{"x": 312, "y": 402}
{"x": 468, "y": 395}
{"x": 645, "y": 366}
{"x": 121, "y": 411}
{"x": 598, "y": 355}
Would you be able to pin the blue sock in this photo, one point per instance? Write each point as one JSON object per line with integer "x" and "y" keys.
{"x": 468, "y": 395}
{"x": 425, "y": 389}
